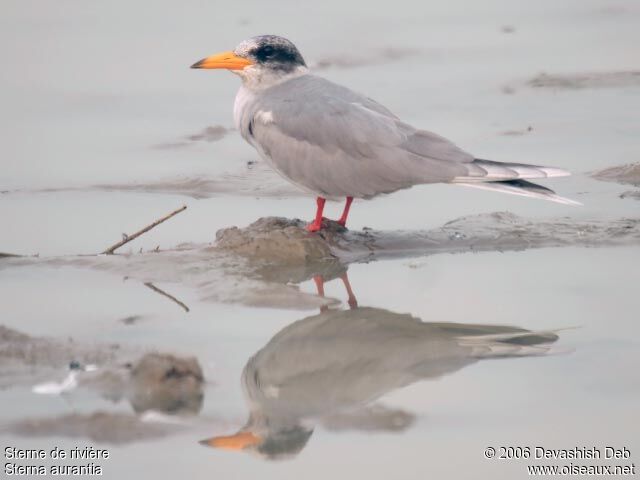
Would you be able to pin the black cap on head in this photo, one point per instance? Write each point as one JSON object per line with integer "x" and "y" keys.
{"x": 285, "y": 444}
{"x": 271, "y": 51}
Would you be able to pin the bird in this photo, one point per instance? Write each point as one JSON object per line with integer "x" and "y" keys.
{"x": 340, "y": 361}
{"x": 335, "y": 143}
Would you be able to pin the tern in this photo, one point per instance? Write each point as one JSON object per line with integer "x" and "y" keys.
{"x": 335, "y": 143}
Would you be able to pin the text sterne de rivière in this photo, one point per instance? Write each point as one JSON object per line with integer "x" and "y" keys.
{"x": 76, "y": 453}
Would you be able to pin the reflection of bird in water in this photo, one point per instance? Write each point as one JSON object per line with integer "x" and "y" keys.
{"x": 341, "y": 360}
{"x": 320, "y": 280}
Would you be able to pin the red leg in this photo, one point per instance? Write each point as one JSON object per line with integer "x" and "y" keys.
{"x": 345, "y": 212}
{"x": 353, "y": 303}
{"x": 319, "y": 281}
{"x": 317, "y": 223}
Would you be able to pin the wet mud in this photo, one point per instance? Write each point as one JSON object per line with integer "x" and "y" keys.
{"x": 278, "y": 239}
{"x": 254, "y": 180}
{"x": 624, "y": 174}
{"x": 103, "y": 427}
{"x": 285, "y": 378}
{"x": 633, "y": 194}
{"x": 206, "y": 187}
{"x": 262, "y": 264}
{"x": 380, "y": 57}
{"x": 25, "y": 359}
{"x": 580, "y": 81}
{"x": 208, "y": 134}
{"x": 160, "y": 388}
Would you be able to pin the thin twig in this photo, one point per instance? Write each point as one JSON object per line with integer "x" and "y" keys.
{"x": 165, "y": 294}
{"x": 128, "y": 238}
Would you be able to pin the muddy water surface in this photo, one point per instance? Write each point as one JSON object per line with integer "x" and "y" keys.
{"x": 481, "y": 320}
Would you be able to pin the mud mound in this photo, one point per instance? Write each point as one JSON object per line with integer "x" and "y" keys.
{"x": 280, "y": 240}
{"x": 283, "y": 240}
{"x": 586, "y": 80}
{"x": 625, "y": 174}
{"x": 166, "y": 383}
{"x": 103, "y": 427}
{"x": 261, "y": 264}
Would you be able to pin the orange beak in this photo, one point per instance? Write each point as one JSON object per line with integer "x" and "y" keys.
{"x": 228, "y": 60}
{"x": 239, "y": 441}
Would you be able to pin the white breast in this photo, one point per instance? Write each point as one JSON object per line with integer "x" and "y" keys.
{"x": 243, "y": 98}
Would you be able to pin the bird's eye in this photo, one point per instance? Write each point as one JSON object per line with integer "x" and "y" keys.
{"x": 267, "y": 51}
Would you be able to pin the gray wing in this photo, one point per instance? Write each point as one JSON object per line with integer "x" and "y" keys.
{"x": 338, "y": 143}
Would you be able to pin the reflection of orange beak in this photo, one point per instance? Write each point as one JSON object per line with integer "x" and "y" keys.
{"x": 228, "y": 60}
{"x": 239, "y": 441}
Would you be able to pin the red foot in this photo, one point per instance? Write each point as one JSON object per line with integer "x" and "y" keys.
{"x": 316, "y": 225}
{"x": 319, "y": 281}
{"x": 353, "y": 303}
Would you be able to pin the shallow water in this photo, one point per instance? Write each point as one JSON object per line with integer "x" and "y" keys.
{"x": 100, "y": 122}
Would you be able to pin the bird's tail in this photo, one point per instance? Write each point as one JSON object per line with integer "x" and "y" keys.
{"x": 513, "y": 178}
{"x": 522, "y": 188}
{"x": 522, "y": 343}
